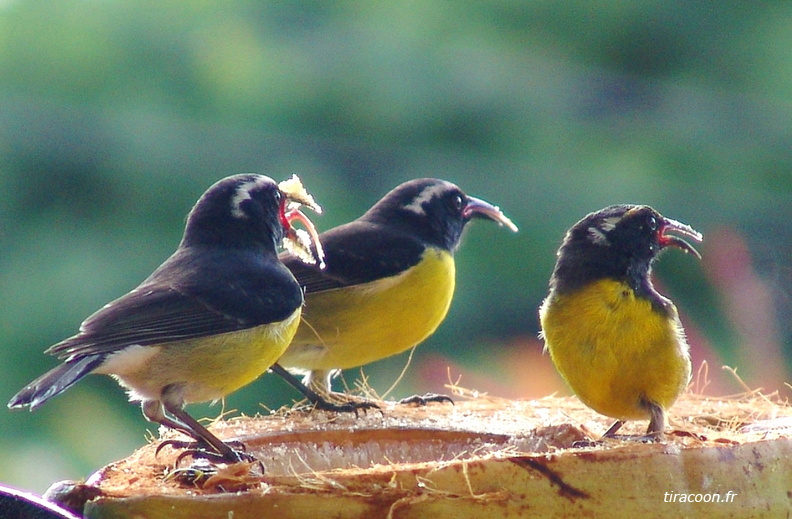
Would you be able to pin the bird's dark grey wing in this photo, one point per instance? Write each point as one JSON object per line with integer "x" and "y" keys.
{"x": 178, "y": 301}
{"x": 356, "y": 253}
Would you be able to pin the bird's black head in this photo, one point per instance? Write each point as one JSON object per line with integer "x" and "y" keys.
{"x": 434, "y": 210}
{"x": 239, "y": 211}
{"x": 620, "y": 242}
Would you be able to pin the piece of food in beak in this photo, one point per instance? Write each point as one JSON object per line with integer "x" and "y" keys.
{"x": 298, "y": 241}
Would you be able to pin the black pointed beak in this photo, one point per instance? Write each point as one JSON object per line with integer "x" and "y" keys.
{"x": 479, "y": 208}
{"x": 668, "y": 225}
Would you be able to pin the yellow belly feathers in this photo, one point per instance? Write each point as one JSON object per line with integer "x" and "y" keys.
{"x": 207, "y": 368}
{"x": 353, "y": 326}
{"x": 614, "y": 349}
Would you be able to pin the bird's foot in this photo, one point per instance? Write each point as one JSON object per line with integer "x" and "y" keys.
{"x": 348, "y": 406}
{"x": 422, "y": 400}
{"x": 234, "y": 453}
{"x": 587, "y": 444}
{"x": 644, "y": 438}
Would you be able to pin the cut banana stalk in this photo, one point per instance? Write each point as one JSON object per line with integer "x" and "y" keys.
{"x": 482, "y": 457}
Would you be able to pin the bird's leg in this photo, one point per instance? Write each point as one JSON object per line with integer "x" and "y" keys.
{"x": 153, "y": 412}
{"x": 653, "y": 433}
{"x": 223, "y": 452}
{"x": 613, "y": 429}
{"x": 206, "y": 445}
{"x": 321, "y": 382}
{"x": 610, "y": 433}
{"x": 318, "y": 401}
{"x": 656, "y": 422}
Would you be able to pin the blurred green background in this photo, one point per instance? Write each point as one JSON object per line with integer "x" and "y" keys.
{"x": 115, "y": 116}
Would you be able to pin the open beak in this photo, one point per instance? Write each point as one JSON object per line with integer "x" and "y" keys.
{"x": 668, "y": 225}
{"x": 299, "y": 241}
{"x": 479, "y": 208}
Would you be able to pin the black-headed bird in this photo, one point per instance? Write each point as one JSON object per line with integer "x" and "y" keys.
{"x": 211, "y": 319}
{"x": 616, "y": 341}
{"x": 387, "y": 285}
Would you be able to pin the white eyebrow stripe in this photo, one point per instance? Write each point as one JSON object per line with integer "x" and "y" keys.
{"x": 608, "y": 224}
{"x": 426, "y": 195}
{"x": 596, "y": 236}
{"x": 243, "y": 193}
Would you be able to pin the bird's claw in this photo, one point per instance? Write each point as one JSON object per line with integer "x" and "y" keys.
{"x": 346, "y": 407}
{"x": 422, "y": 400}
{"x": 644, "y": 438}
{"x": 202, "y": 450}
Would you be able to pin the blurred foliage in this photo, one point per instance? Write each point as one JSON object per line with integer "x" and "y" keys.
{"x": 115, "y": 116}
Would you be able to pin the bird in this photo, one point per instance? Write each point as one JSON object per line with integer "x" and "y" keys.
{"x": 387, "y": 284}
{"x": 209, "y": 320}
{"x": 616, "y": 341}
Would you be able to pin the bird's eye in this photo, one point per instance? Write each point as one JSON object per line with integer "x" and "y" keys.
{"x": 278, "y": 195}
{"x": 652, "y": 223}
{"x": 457, "y": 202}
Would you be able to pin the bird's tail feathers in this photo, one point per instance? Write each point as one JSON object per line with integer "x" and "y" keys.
{"x": 54, "y": 382}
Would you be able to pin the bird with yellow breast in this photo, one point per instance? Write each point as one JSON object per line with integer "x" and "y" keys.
{"x": 387, "y": 285}
{"x": 616, "y": 341}
{"x": 211, "y": 319}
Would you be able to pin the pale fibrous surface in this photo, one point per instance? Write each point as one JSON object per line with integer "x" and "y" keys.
{"x": 482, "y": 457}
